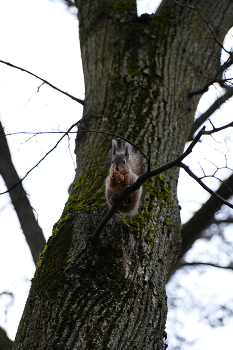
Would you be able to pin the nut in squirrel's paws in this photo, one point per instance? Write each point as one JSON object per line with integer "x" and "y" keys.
{"x": 118, "y": 177}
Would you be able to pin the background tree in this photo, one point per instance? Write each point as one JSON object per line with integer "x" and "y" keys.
{"x": 158, "y": 180}
{"x": 30, "y": 227}
{"x": 6, "y": 343}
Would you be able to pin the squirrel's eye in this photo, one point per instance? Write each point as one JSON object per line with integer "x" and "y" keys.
{"x": 124, "y": 161}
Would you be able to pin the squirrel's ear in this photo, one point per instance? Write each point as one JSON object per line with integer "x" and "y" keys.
{"x": 114, "y": 147}
{"x": 127, "y": 150}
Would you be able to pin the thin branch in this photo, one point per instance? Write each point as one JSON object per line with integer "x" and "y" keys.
{"x": 222, "y": 69}
{"x": 70, "y": 3}
{"x": 7, "y": 293}
{"x": 35, "y": 133}
{"x": 188, "y": 171}
{"x": 228, "y": 220}
{"x": 205, "y": 88}
{"x": 82, "y": 102}
{"x": 198, "y": 122}
{"x": 19, "y": 182}
{"x": 184, "y": 263}
{"x": 9, "y": 304}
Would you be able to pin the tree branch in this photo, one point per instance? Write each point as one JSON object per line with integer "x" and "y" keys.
{"x": 217, "y": 79}
{"x": 183, "y": 263}
{"x": 198, "y": 122}
{"x": 205, "y": 88}
{"x": 31, "y": 229}
{"x": 188, "y": 171}
{"x": 228, "y": 220}
{"x": 223, "y": 68}
{"x": 82, "y": 102}
{"x": 70, "y": 3}
{"x": 203, "y": 218}
{"x": 193, "y": 229}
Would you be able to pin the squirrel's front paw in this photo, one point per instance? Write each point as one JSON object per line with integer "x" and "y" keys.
{"x": 117, "y": 177}
{"x": 113, "y": 198}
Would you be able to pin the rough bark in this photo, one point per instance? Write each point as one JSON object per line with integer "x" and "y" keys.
{"x": 138, "y": 72}
{"x": 30, "y": 227}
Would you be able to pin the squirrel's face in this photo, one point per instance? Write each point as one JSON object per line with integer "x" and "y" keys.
{"x": 119, "y": 163}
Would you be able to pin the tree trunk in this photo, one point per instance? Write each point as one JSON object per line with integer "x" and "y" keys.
{"x": 138, "y": 73}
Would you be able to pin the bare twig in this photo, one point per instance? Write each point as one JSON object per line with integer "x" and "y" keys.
{"x": 222, "y": 69}
{"x": 10, "y": 303}
{"x": 82, "y": 102}
{"x": 70, "y": 3}
{"x": 188, "y": 171}
{"x": 7, "y": 293}
{"x": 205, "y": 88}
{"x": 35, "y": 133}
{"x": 198, "y": 122}
{"x": 19, "y": 182}
{"x": 184, "y": 263}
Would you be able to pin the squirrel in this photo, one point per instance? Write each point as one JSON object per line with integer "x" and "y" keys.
{"x": 124, "y": 171}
